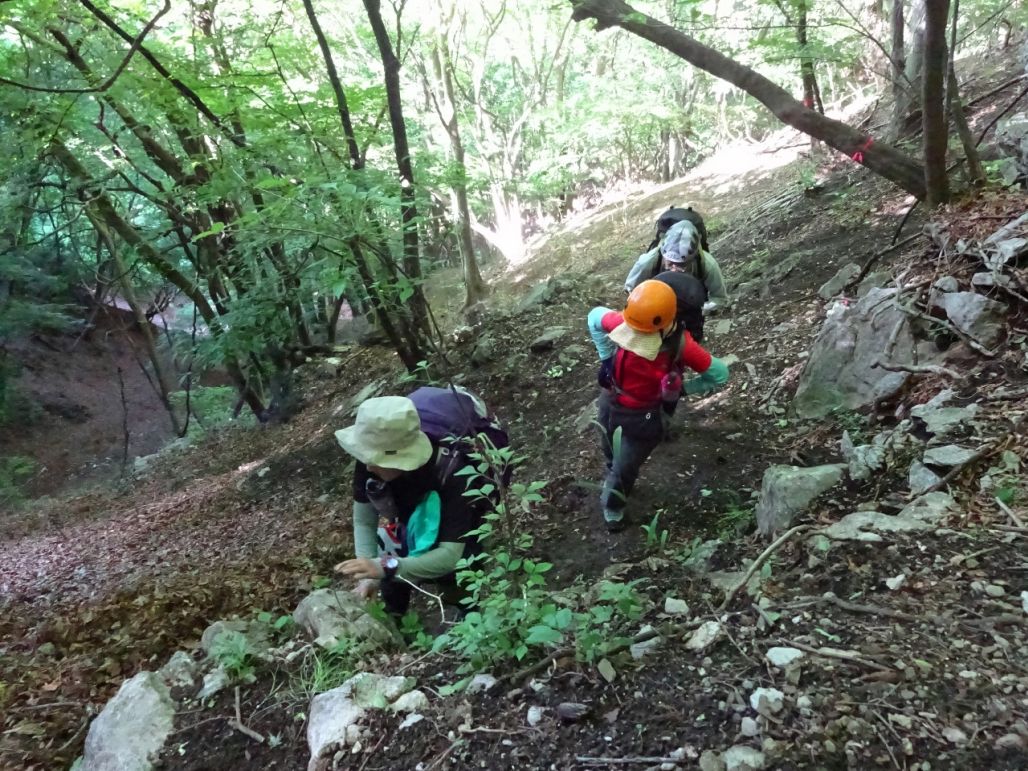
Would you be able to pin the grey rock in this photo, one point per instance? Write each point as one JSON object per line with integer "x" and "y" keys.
{"x": 727, "y": 580}
{"x": 586, "y": 418}
{"x": 540, "y": 294}
{"x": 218, "y": 679}
{"x": 940, "y": 420}
{"x": 333, "y": 715}
{"x": 329, "y": 616}
{"x": 256, "y": 635}
{"x": 930, "y": 507}
{"x": 535, "y": 715}
{"x": 782, "y": 657}
{"x": 480, "y": 683}
{"x": 711, "y": 761}
{"x": 987, "y": 280}
{"x": 181, "y": 670}
{"x": 1011, "y": 741}
{"x": 767, "y": 701}
{"x": 838, "y": 282}
{"x": 349, "y": 407}
{"x": 572, "y": 710}
{"x": 640, "y": 650}
{"x": 787, "y": 490}
{"x": 975, "y": 315}
{"x": 947, "y": 284}
{"x": 995, "y": 591}
{"x": 707, "y": 634}
{"x": 546, "y": 340}
{"x": 921, "y": 478}
{"x": 722, "y": 327}
{"x": 676, "y": 607}
{"x": 743, "y": 758}
{"x": 866, "y": 526}
{"x": 698, "y": 561}
{"x": 839, "y": 374}
{"x": 412, "y": 701}
{"x": 484, "y": 350}
{"x": 748, "y": 727}
{"x": 947, "y": 455}
{"x": 130, "y": 731}
{"x": 873, "y": 281}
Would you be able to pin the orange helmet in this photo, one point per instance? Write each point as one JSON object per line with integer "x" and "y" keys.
{"x": 651, "y": 307}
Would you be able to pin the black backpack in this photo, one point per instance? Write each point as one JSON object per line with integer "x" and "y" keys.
{"x": 676, "y": 214}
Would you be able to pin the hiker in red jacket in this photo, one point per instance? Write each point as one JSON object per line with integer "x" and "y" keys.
{"x": 643, "y": 352}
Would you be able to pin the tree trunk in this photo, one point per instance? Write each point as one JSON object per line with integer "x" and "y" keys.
{"x": 474, "y": 287}
{"x": 933, "y": 107}
{"x": 975, "y": 172}
{"x": 900, "y": 92}
{"x": 811, "y": 93}
{"x": 408, "y": 207}
{"x": 877, "y": 156}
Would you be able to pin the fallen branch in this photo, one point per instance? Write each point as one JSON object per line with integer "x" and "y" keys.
{"x": 917, "y": 369}
{"x": 758, "y": 562}
{"x": 943, "y": 323}
{"x": 997, "y": 119}
{"x": 877, "y": 256}
{"x": 872, "y": 610}
{"x": 238, "y": 723}
{"x": 1007, "y": 510}
{"x": 835, "y": 653}
{"x": 624, "y": 761}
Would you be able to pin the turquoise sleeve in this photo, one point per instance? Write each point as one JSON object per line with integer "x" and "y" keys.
{"x": 438, "y": 562}
{"x": 715, "y": 377}
{"x": 604, "y": 347}
{"x": 365, "y": 530}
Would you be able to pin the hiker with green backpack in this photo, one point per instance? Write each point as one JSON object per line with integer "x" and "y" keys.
{"x": 681, "y": 245}
{"x": 643, "y": 352}
{"x": 411, "y": 516}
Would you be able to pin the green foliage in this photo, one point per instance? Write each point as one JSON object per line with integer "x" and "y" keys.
{"x": 656, "y": 540}
{"x": 213, "y": 406}
{"x": 324, "y": 669}
{"x": 232, "y": 651}
{"x": 732, "y": 521}
{"x": 15, "y": 470}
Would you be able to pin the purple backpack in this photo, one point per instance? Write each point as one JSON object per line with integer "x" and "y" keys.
{"x": 453, "y": 418}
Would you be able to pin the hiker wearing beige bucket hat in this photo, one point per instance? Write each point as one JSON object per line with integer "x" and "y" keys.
{"x": 411, "y": 516}
{"x": 643, "y": 352}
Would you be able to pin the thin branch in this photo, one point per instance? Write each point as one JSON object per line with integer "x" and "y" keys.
{"x": 924, "y": 369}
{"x": 758, "y": 562}
{"x": 842, "y": 655}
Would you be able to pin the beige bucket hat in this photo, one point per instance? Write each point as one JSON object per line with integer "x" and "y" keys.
{"x": 645, "y": 344}
{"x": 387, "y": 433}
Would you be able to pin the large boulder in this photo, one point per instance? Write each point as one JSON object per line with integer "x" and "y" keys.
{"x": 838, "y": 282}
{"x": 787, "y": 490}
{"x": 131, "y": 730}
{"x": 840, "y": 372}
{"x": 330, "y": 615}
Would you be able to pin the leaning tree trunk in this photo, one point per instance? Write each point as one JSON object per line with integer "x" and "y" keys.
{"x": 877, "y": 156}
{"x": 975, "y": 172}
{"x": 933, "y": 115}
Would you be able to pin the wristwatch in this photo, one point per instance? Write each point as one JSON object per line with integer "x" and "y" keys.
{"x": 390, "y": 564}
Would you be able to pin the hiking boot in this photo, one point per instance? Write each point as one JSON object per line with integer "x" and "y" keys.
{"x": 614, "y": 520}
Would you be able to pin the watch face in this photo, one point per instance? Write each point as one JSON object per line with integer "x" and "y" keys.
{"x": 392, "y": 563}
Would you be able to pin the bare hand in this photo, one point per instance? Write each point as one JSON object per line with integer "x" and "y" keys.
{"x": 366, "y": 588}
{"x": 361, "y": 567}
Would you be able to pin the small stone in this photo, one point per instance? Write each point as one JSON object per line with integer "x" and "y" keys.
{"x": 676, "y": 607}
{"x": 480, "y": 683}
{"x": 213, "y": 682}
{"x": 783, "y": 657}
{"x": 903, "y": 721}
{"x": 749, "y": 727}
{"x": 412, "y": 701}
{"x": 994, "y": 591}
{"x": 743, "y": 758}
{"x": 896, "y": 582}
{"x": 535, "y": 715}
{"x": 411, "y": 719}
{"x": 1024, "y": 601}
{"x": 767, "y": 701}
{"x": 804, "y": 702}
{"x": 711, "y": 761}
{"x": 830, "y": 747}
{"x": 705, "y": 636}
{"x": 954, "y": 735}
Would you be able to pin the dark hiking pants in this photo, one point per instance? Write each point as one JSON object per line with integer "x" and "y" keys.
{"x": 625, "y": 451}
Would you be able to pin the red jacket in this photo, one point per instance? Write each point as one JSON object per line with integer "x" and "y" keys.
{"x": 638, "y": 380}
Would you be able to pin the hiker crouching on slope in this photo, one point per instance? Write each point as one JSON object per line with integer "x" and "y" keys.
{"x": 411, "y": 518}
{"x": 682, "y": 250}
{"x": 643, "y": 352}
